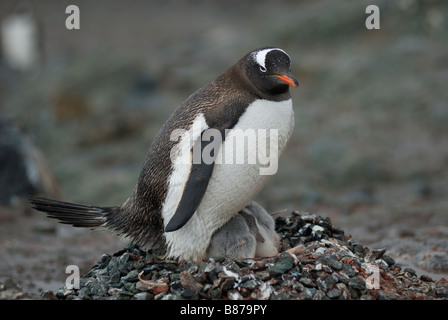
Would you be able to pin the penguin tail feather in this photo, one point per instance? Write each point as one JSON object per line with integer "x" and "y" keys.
{"x": 77, "y": 215}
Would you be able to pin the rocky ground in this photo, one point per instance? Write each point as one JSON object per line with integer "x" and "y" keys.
{"x": 368, "y": 150}
{"x": 317, "y": 261}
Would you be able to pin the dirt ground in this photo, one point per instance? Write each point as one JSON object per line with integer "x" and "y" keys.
{"x": 369, "y": 148}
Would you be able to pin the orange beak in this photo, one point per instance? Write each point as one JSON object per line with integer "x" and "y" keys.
{"x": 289, "y": 79}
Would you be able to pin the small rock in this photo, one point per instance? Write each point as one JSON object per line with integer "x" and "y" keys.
{"x": 426, "y": 278}
{"x": 323, "y": 267}
{"x": 349, "y": 270}
{"x": 442, "y": 291}
{"x": 114, "y": 292}
{"x": 280, "y": 296}
{"x": 142, "y": 296}
{"x": 189, "y": 294}
{"x": 357, "y": 282}
{"x": 319, "y": 295}
{"x": 333, "y": 263}
{"x": 115, "y": 277}
{"x": 410, "y": 271}
{"x": 84, "y": 293}
{"x": 374, "y": 254}
{"x": 227, "y": 283}
{"x": 48, "y": 295}
{"x": 215, "y": 293}
{"x": 283, "y": 265}
{"x": 189, "y": 282}
{"x": 307, "y": 281}
{"x": 250, "y": 284}
{"x": 263, "y": 292}
{"x": 333, "y": 293}
{"x": 160, "y": 289}
{"x": 263, "y": 275}
{"x": 132, "y": 276}
{"x": 234, "y": 295}
{"x": 389, "y": 260}
{"x": 308, "y": 293}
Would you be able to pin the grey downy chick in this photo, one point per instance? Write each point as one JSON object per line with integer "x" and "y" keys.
{"x": 264, "y": 230}
{"x": 251, "y": 233}
{"x": 233, "y": 240}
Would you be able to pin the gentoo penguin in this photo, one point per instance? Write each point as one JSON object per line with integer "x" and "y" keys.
{"x": 251, "y": 233}
{"x": 179, "y": 202}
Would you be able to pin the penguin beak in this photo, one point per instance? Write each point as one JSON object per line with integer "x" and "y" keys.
{"x": 289, "y": 79}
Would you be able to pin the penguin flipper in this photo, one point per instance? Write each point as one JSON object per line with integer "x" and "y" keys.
{"x": 194, "y": 190}
{"x": 192, "y": 196}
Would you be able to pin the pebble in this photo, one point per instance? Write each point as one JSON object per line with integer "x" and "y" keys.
{"x": 389, "y": 260}
{"x": 357, "y": 282}
{"x": 333, "y": 293}
{"x": 326, "y": 264}
{"x": 283, "y": 265}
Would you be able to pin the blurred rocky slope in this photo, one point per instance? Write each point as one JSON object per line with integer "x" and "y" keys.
{"x": 369, "y": 147}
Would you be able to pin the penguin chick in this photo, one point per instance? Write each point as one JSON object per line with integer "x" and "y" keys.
{"x": 251, "y": 233}
{"x": 267, "y": 244}
{"x": 233, "y": 240}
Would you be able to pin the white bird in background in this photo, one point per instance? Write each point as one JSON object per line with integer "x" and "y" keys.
{"x": 20, "y": 38}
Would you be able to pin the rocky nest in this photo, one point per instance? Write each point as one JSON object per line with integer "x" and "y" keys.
{"x": 317, "y": 261}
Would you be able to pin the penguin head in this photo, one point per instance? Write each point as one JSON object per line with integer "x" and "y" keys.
{"x": 269, "y": 70}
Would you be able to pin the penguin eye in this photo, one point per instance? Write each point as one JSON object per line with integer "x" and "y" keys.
{"x": 263, "y": 69}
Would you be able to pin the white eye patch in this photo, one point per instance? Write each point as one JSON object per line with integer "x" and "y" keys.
{"x": 260, "y": 56}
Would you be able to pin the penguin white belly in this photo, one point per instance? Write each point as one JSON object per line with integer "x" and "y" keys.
{"x": 231, "y": 186}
